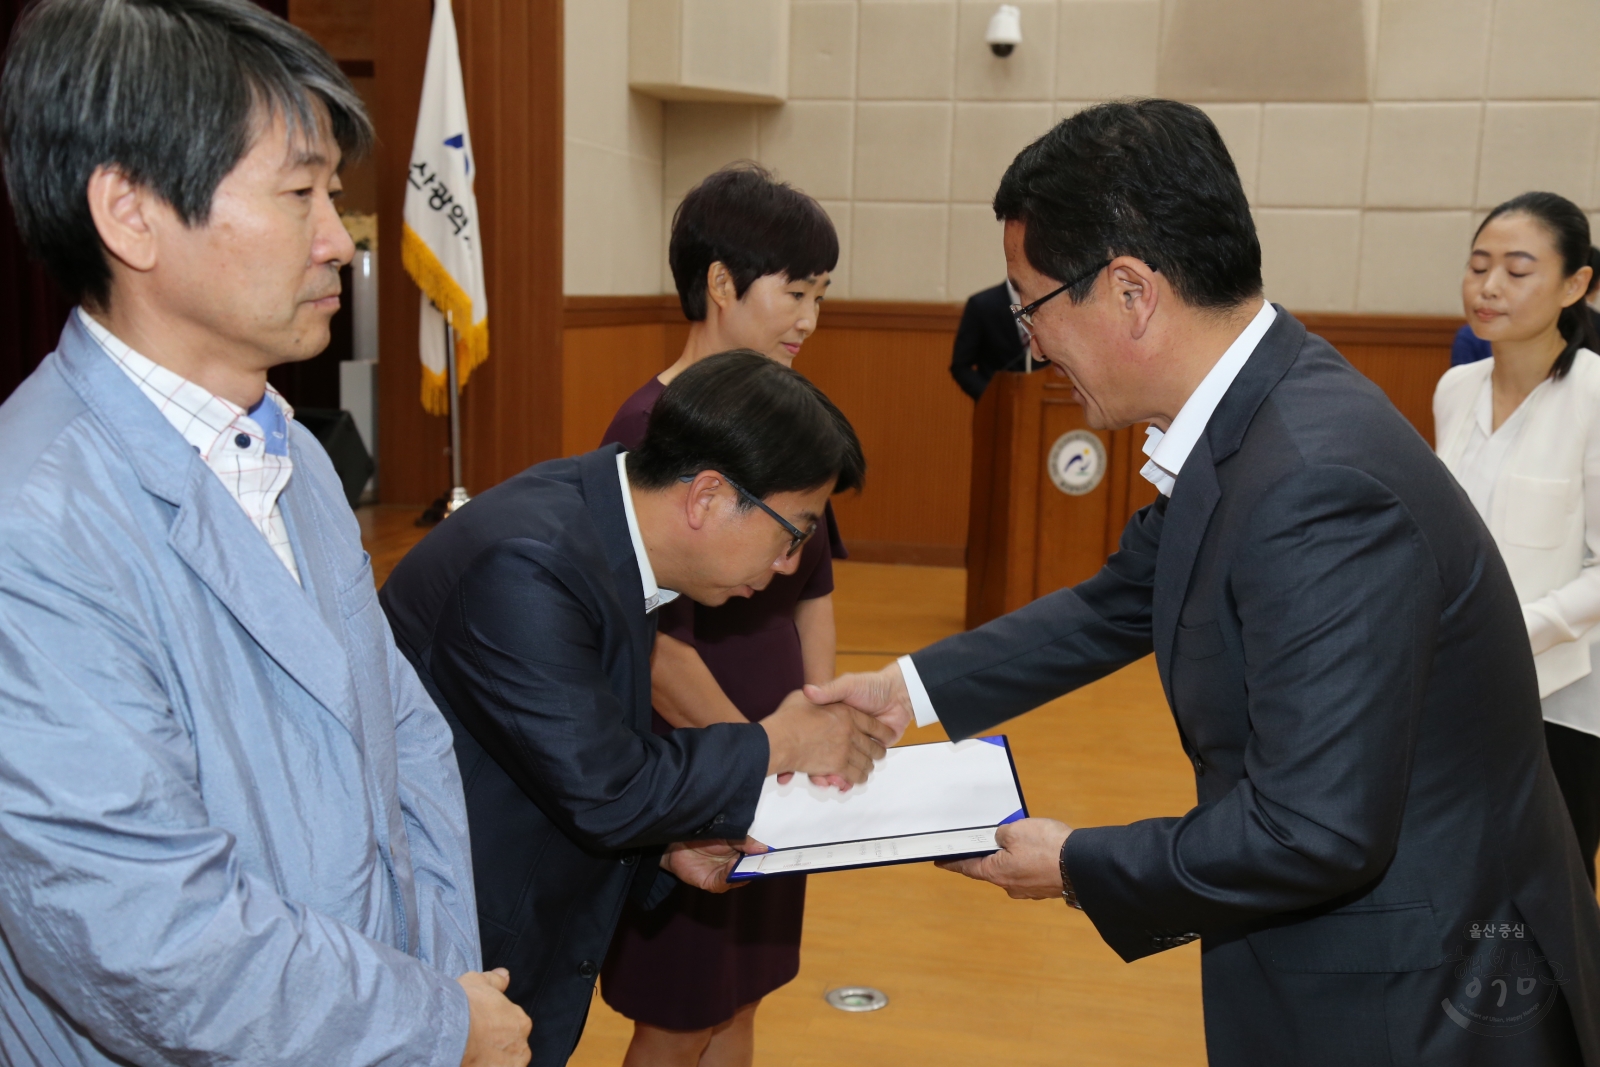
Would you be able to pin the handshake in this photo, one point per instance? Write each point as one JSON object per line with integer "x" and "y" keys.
{"x": 836, "y": 732}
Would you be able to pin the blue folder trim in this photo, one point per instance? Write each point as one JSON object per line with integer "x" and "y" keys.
{"x": 748, "y": 875}
{"x": 1001, "y": 740}
{"x": 744, "y": 876}
{"x": 1011, "y": 758}
{"x": 1016, "y": 816}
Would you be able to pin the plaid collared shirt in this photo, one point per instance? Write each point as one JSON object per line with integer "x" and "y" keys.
{"x": 250, "y": 455}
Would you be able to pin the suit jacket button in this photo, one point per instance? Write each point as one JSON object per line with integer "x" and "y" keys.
{"x": 587, "y": 969}
{"x": 629, "y": 860}
{"x": 1199, "y": 764}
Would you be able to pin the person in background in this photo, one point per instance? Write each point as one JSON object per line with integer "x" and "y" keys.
{"x": 1521, "y": 433}
{"x": 1468, "y": 347}
{"x": 988, "y": 340}
{"x": 751, "y": 257}
{"x": 231, "y": 825}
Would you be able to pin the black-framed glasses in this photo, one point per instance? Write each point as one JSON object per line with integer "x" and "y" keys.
{"x": 797, "y": 536}
{"x": 1024, "y": 315}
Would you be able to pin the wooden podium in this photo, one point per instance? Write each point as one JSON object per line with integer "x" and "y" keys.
{"x": 1026, "y": 534}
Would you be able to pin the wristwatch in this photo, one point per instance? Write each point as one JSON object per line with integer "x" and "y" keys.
{"x": 1068, "y": 894}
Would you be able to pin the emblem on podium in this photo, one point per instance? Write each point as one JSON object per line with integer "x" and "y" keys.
{"x": 1077, "y": 462}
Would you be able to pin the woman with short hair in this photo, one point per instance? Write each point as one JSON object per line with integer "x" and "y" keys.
{"x": 751, "y": 258}
{"x": 1521, "y": 433}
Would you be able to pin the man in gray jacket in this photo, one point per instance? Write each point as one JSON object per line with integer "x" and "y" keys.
{"x": 231, "y": 825}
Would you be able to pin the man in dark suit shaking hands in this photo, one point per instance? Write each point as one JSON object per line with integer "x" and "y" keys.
{"x": 1377, "y": 864}
{"x": 530, "y": 615}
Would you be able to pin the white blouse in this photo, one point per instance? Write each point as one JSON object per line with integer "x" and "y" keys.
{"x": 1488, "y": 463}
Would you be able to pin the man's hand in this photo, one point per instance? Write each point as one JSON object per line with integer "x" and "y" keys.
{"x": 497, "y": 1036}
{"x": 881, "y": 694}
{"x": 706, "y": 864}
{"x": 1028, "y": 865}
{"x": 833, "y": 741}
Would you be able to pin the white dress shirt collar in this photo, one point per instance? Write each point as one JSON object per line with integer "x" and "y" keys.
{"x": 654, "y": 595}
{"x": 1168, "y": 451}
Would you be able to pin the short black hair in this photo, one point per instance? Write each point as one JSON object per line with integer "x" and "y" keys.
{"x": 1144, "y": 178}
{"x": 754, "y": 225}
{"x": 170, "y": 92}
{"x": 1568, "y": 227}
{"x": 753, "y": 420}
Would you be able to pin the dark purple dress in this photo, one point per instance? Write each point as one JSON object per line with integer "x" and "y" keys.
{"x": 694, "y": 961}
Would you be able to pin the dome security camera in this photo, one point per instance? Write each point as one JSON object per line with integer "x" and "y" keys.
{"x": 1005, "y": 30}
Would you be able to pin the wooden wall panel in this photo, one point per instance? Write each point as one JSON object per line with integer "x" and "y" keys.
{"x": 511, "y": 55}
{"x": 513, "y": 411}
{"x": 1407, "y": 373}
{"x": 886, "y": 366}
{"x": 602, "y": 367}
{"x": 915, "y": 427}
{"x": 413, "y": 464}
{"x": 343, "y": 27}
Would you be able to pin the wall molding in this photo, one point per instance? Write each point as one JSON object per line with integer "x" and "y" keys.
{"x": 1338, "y": 328}
{"x": 1406, "y": 331}
{"x": 579, "y": 312}
{"x": 589, "y": 311}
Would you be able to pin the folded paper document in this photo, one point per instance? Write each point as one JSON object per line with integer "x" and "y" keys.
{"x": 923, "y": 802}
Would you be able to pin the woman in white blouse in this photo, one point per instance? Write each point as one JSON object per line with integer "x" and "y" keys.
{"x": 1521, "y": 433}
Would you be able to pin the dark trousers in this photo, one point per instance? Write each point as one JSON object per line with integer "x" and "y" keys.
{"x": 1576, "y": 758}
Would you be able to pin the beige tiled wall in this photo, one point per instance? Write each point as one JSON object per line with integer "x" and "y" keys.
{"x": 613, "y": 165}
{"x": 1366, "y": 185}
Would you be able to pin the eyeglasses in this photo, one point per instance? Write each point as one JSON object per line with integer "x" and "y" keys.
{"x": 797, "y": 536}
{"x": 1024, "y": 315}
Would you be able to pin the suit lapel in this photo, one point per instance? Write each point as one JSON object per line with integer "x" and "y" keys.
{"x": 212, "y": 535}
{"x": 1197, "y": 491}
{"x": 301, "y": 515}
{"x": 602, "y": 490}
{"x": 1188, "y": 514}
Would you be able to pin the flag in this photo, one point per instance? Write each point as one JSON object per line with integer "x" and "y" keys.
{"x": 440, "y": 244}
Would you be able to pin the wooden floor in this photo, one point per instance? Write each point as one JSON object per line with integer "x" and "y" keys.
{"x": 972, "y": 976}
{"x": 388, "y": 531}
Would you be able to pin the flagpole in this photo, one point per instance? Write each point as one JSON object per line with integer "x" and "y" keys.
{"x": 458, "y": 492}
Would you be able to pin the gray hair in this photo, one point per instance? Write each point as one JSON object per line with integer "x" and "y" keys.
{"x": 169, "y": 92}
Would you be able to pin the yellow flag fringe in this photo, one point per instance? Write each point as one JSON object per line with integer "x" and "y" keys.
{"x": 472, "y": 339}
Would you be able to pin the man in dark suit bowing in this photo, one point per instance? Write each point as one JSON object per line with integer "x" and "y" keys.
{"x": 1377, "y": 866}
{"x": 530, "y": 614}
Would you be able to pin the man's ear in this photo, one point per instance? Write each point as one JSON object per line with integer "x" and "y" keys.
{"x": 1133, "y": 286}
{"x": 124, "y": 213}
{"x": 720, "y": 289}
{"x": 700, "y": 500}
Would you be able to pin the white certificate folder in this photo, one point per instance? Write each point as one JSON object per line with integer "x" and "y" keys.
{"x": 923, "y": 802}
